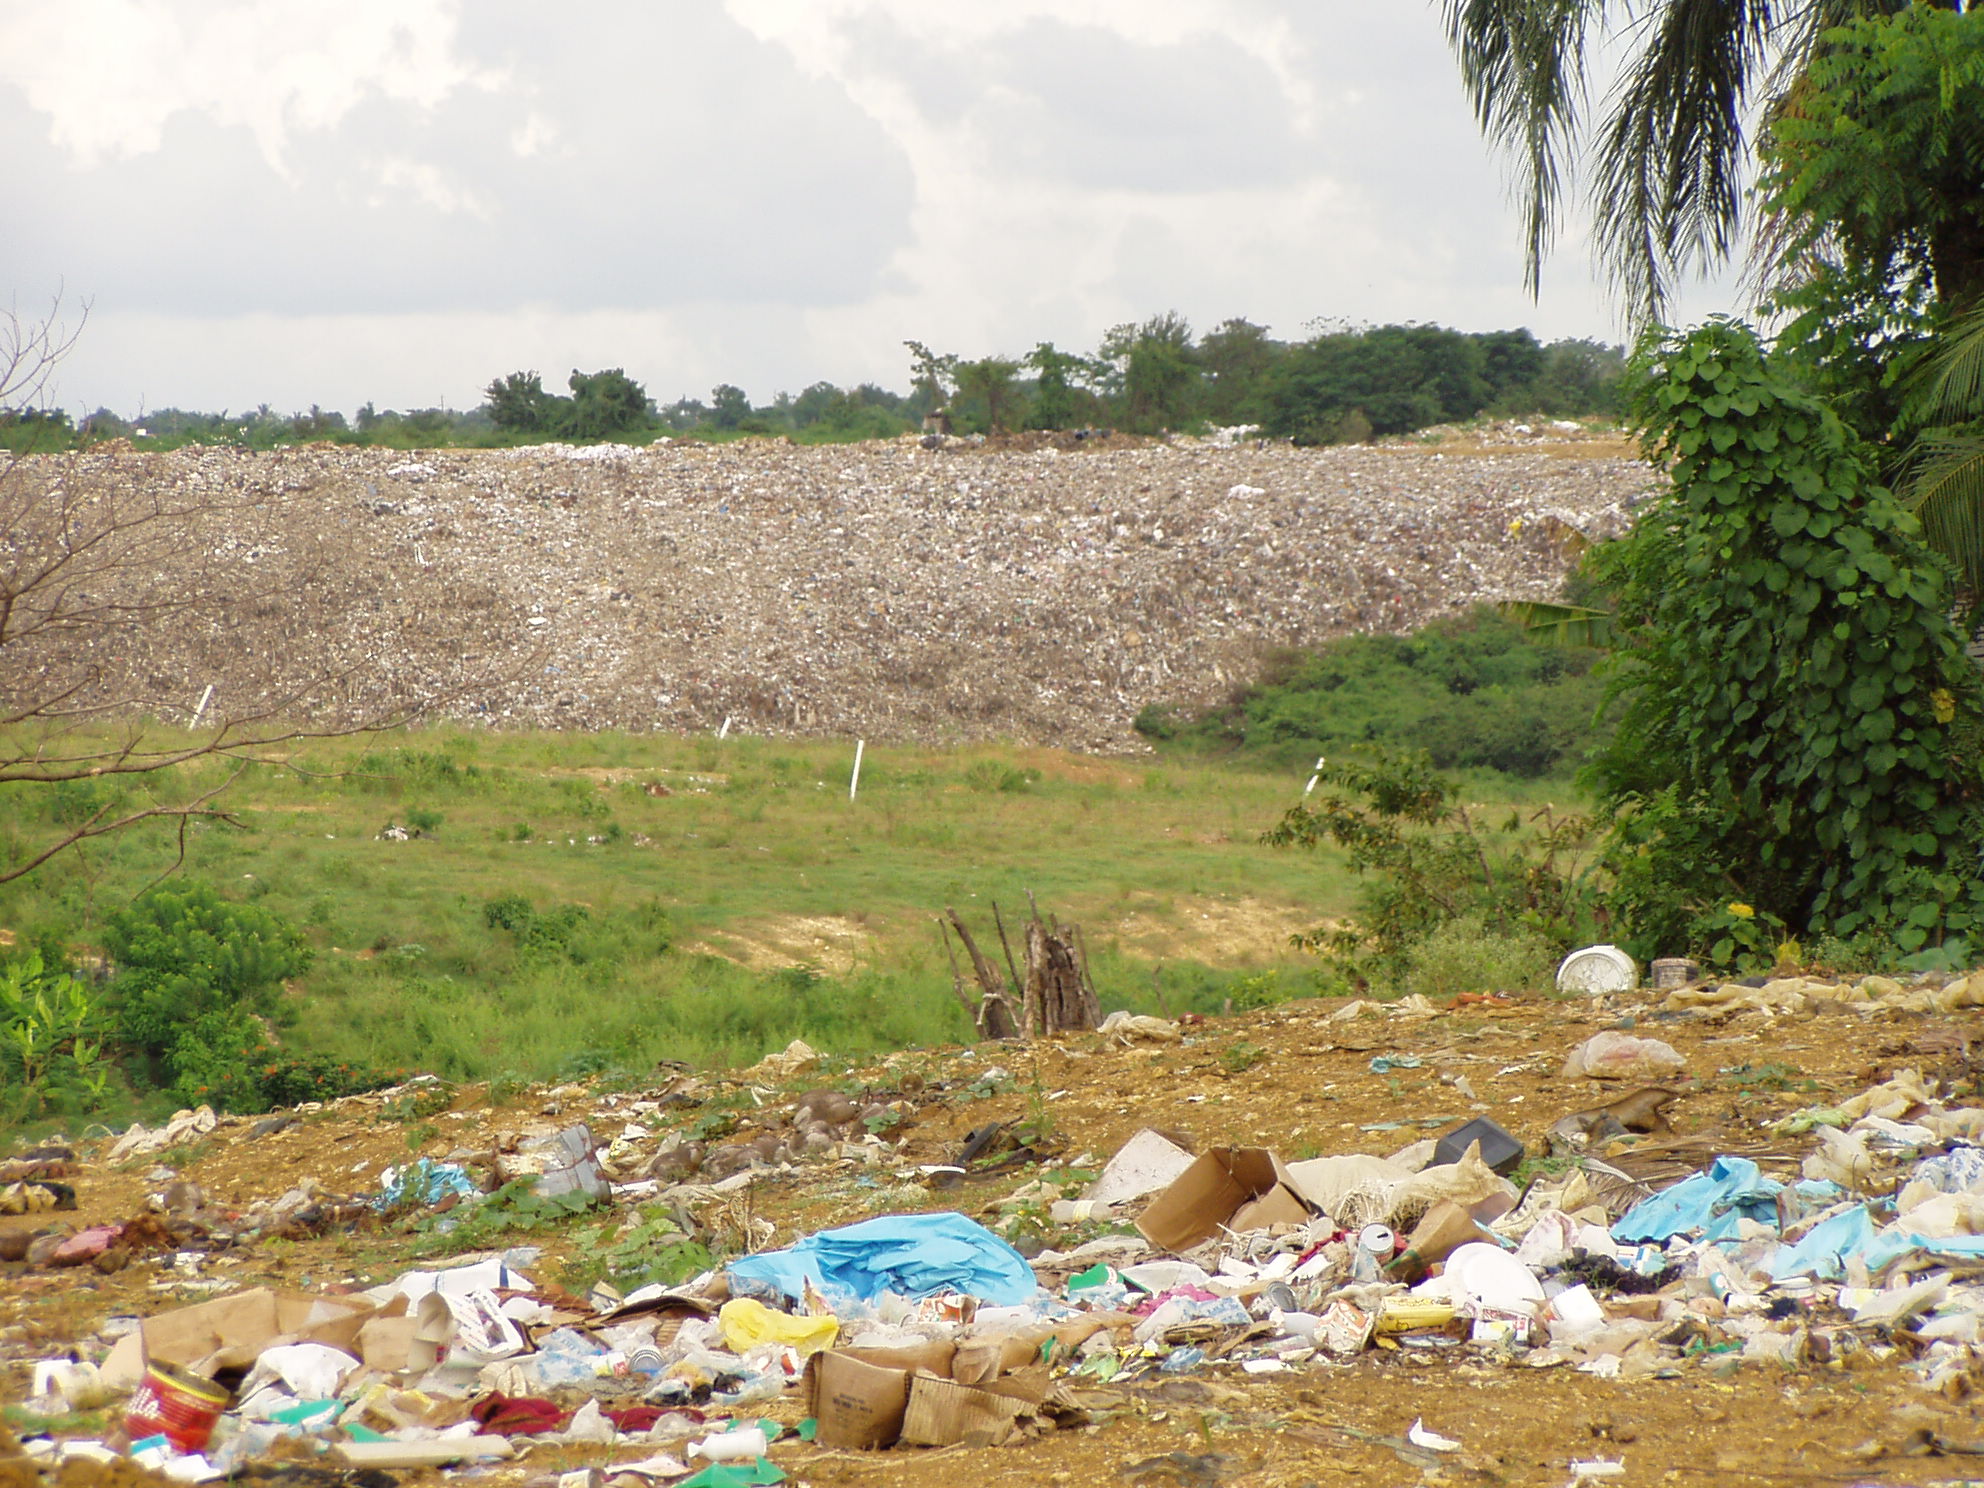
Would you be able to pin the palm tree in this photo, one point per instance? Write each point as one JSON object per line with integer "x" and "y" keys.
{"x": 1668, "y": 163}
{"x": 1669, "y": 159}
{"x": 1945, "y": 489}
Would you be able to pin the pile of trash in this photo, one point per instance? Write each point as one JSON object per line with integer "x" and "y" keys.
{"x": 1801, "y": 996}
{"x": 878, "y": 590}
{"x": 1619, "y": 1252}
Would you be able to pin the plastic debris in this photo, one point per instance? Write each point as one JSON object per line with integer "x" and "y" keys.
{"x": 1432, "y": 1441}
{"x": 425, "y": 1183}
{"x": 1598, "y": 969}
{"x": 928, "y": 1330}
{"x": 1612, "y": 1055}
{"x": 915, "y": 1255}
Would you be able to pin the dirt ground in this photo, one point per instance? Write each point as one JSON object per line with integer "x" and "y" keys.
{"x": 1289, "y": 1078}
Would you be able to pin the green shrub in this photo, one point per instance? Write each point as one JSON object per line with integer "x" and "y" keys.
{"x": 51, "y": 1039}
{"x": 1463, "y": 955}
{"x": 1424, "y": 862}
{"x": 227, "y": 1062}
{"x": 1263, "y": 989}
{"x": 213, "y": 1061}
{"x": 1800, "y": 722}
{"x": 185, "y": 954}
{"x": 547, "y": 932}
{"x": 1474, "y": 692}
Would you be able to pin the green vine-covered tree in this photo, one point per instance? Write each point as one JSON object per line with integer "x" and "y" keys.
{"x": 1800, "y": 724}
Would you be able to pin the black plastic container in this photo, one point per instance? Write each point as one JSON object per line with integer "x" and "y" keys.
{"x": 1499, "y": 1150}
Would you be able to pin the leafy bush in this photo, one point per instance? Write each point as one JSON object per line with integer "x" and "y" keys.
{"x": 239, "y": 1072}
{"x": 51, "y": 1039}
{"x": 1800, "y": 721}
{"x": 315, "y": 1077}
{"x": 550, "y": 931}
{"x": 1463, "y": 955}
{"x": 1475, "y": 692}
{"x": 1424, "y": 862}
{"x": 190, "y": 959}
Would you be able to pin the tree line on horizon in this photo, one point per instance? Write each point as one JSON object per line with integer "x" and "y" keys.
{"x": 1343, "y": 384}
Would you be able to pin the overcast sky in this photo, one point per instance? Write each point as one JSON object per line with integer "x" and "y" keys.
{"x": 290, "y": 202}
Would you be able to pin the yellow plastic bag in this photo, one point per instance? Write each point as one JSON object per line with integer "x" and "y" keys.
{"x": 746, "y": 1324}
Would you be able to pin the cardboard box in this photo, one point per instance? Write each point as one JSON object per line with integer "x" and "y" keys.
{"x": 944, "y": 1413}
{"x": 867, "y": 1399}
{"x": 855, "y": 1405}
{"x": 386, "y": 1340}
{"x": 1229, "y": 1188}
{"x": 1146, "y": 1163}
{"x": 231, "y": 1332}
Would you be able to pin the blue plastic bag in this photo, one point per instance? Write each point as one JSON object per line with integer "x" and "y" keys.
{"x": 913, "y": 1255}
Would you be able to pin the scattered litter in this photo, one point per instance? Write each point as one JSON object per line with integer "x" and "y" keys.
{"x": 1598, "y": 969}
{"x": 1612, "y": 1055}
{"x": 1432, "y": 1441}
{"x": 1856, "y": 1229}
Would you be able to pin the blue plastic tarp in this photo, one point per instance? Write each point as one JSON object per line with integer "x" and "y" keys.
{"x": 913, "y": 1255}
{"x": 1822, "y": 1250}
{"x": 1884, "y": 1249}
{"x": 1712, "y": 1202}
{"x": 425, "y": 1182}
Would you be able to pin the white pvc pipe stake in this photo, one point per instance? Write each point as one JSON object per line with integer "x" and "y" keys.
{"x": 854, "y": 780}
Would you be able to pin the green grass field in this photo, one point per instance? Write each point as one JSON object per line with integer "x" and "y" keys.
{"x": 734, "y": 898}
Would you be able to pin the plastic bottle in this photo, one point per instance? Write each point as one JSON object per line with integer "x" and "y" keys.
{"x": 568, "y": 1357}
{"x": 745, "y": 1444}
{"x": 745, "y": 1387}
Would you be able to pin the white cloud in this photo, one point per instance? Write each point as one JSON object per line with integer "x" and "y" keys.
{"x": 430, "y": 184}
{"x": 110, "y": 74}
{"x": 400, "y": 199}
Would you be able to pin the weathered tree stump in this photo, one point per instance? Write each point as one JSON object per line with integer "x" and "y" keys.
{"x": 1054, "y": 996}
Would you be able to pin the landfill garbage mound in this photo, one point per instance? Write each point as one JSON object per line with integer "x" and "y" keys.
{"x": 1396, "y": 1239}
{"x": 886, "y": 590}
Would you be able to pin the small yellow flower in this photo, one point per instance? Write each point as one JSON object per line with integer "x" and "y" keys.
{"x": 1943, "y": 704}
{"x": 1742, "y": 911}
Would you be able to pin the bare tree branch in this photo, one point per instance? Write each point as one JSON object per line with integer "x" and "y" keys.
{"x": 114, "y": 568}
{"x": 31, "y": 349}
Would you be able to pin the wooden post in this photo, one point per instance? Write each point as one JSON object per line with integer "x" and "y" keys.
{"x": 854, "y": 780}
{"x": 957, "y": 973}
{"x": 995, "y": 1007}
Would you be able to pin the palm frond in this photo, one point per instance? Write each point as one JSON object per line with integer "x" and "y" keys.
{"x": 1564, "y": 625}
{"x": 1955, "y": 373}
{"x": 1522, "y": 64}
{"x": 1947, "y": 496}
{"x": 1668, "y": 193}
